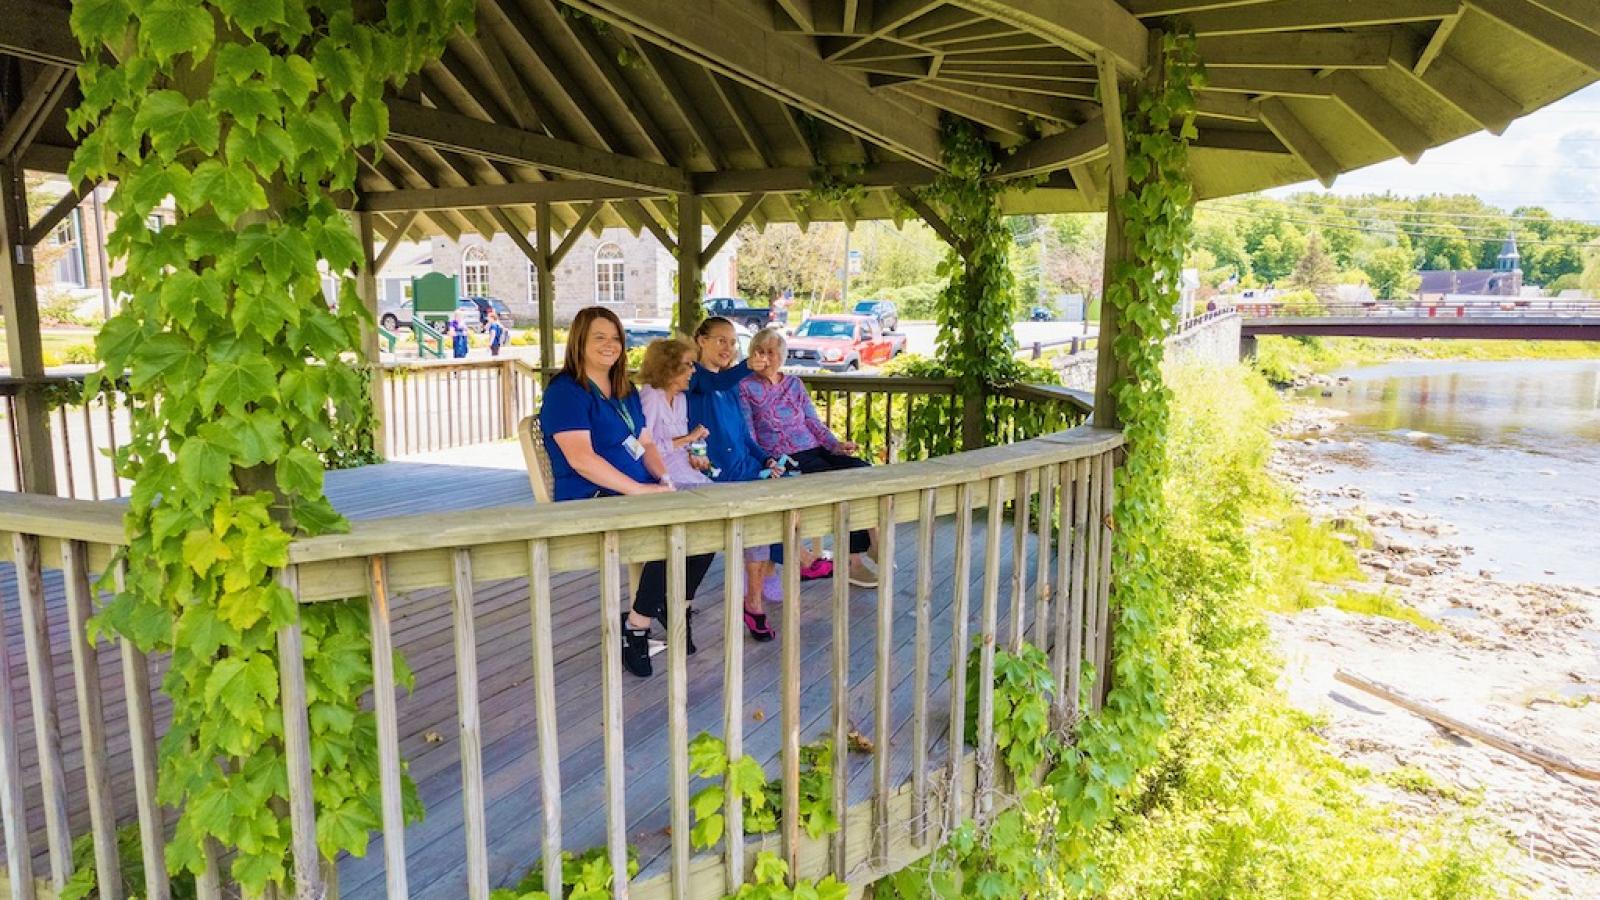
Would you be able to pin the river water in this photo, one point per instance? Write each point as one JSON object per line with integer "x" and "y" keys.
{"x": 1508, "y": 452}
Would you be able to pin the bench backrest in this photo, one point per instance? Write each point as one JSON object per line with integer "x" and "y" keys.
{"x": 540, "y": 476}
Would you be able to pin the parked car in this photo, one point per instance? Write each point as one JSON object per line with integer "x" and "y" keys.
{"x": 740, "y": 311}
{"x": 887, "y": 314}
{"x": 473, "y": 312}
{"x": 640, "y": 332}
{"x": 842, "y": 343}
{"x": 1042, "y": 314}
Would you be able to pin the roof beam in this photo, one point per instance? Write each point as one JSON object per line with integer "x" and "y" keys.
{"x": 783, "y": 67}
{"x": 459, "y": 134}
{"x": 1298, "y": 15}
{"x": 1144, "y": 8}
{"x": 1388, "y": 123}
{"x": 1238, "y": 139}
{"x": 1435, "y": 44}
{"x": 41, "y": 32}
{"x": 1282, "y": 82}
{"x": 997, "y": 117}
{"x": 1058, "y": 151}
{"x": 1466, "y": 90}
{"x": 1581, "y": 12}
{"x": 1313, "y": 50}
{"x": 50, "y": 218}
{"x": 1088, "y": 27}
{"x": 1277, "y": 116}
{"x": 575, "y": 232}
{"x": 887, "y": 15}
{"x": 498, "y": 195}
{"x": 1546, "y": 29}
{"x": 37, "y": 103}
{"x": 725, "y": 233}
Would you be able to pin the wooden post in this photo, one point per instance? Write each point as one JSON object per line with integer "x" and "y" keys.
{"x": 367, "y": 290}
{"x": 547, "y": 289}
{"x": 973, "y": 408}
{"x": 20, "y": 302}
{"x": 689, "y": 311}
{"x": 1109, "y": 369}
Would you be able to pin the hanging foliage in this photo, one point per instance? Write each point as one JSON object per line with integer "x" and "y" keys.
{"x": 240, "y": 378}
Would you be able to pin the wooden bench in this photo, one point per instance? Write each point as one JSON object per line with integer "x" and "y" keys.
{"x": 543, "y": 481}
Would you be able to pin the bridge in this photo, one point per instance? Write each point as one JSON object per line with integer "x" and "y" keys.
{"x": 1507, "y": 318}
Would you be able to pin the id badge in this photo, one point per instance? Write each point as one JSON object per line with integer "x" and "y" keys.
{"x": 634, "y": 448}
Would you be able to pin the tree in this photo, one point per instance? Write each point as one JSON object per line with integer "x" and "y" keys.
{"x": 1278, "y": 253}
{"x": 1315, "y": 272}
{"x": 1393, "y": 273}
{"x": 1590, "y": 279}
{"x": 784, "y": 257}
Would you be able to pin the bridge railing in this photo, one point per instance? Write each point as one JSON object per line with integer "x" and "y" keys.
{"x": 1489, "y": 308}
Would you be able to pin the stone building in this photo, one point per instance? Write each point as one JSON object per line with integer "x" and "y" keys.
{"x": 632, "y": 274}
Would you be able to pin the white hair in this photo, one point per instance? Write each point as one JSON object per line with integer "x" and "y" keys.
{"x": 767, "y": 336}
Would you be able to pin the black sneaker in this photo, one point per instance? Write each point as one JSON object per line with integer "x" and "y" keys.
{"x": 636, "y": 649}
{"x": 688, "y": 630}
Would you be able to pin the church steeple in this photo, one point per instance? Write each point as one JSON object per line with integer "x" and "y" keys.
{"x": 1509, "y": 259}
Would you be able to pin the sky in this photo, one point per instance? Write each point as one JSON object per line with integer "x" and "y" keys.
{"x": 1550, "y": 158}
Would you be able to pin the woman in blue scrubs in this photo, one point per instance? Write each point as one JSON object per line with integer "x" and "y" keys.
{"x": 594, "y": 431}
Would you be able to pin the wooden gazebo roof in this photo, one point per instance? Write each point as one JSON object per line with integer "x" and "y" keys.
{"x": 606, "y": 108}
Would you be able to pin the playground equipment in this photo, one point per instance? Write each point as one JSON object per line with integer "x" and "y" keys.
{"x": 433, "y": 302}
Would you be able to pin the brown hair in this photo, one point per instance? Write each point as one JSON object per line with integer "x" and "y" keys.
{"x": 662, "y": 359}
{"x": 710, "y": 322}
{"x": 578, "y": 338}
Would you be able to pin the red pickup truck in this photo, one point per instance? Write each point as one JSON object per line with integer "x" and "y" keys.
{"x": 842, "y": 343}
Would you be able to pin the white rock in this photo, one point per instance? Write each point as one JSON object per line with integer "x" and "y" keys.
{"x": 1421, "y": 565}
{"x": 1398, "y": 578}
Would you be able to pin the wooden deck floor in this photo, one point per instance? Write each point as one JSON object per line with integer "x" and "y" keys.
{"x": 435, "y": 846}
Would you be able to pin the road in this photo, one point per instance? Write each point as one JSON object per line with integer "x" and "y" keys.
{"x": 921, "y": 336}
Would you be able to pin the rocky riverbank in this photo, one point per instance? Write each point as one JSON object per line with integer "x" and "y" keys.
{"x": 1520, "y": 657}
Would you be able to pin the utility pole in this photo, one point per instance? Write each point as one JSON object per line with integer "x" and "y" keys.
{"x": 844, "y": 274}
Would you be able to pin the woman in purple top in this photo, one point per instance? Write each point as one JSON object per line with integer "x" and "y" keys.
{"x": 785, "y": 422}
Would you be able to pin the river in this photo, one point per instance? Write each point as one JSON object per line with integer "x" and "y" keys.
{"x": 1508, "y": 452}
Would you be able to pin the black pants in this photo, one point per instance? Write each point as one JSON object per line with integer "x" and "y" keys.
{"x": 651, "y": 600}
{"x": 820, "y": 459}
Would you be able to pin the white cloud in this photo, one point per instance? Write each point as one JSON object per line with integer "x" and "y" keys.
{"x": 1550, "y": 158}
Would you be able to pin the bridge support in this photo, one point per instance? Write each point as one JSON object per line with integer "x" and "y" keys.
{"x": 1247, "y": 347}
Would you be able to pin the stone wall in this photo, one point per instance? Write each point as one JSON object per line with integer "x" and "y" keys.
{"x": 510, "y": 275}
{"x": 1216, "y": 341}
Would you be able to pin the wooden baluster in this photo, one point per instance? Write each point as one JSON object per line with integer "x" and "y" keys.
{"x": 611, "y": 713}
{"x": 1063, "y": 606}
{"x": 390, "y": 775}
{"x": 66, "y": 458}
{"x": 13, "y": 802}
{"x": 1019, "y": 558}
{"x": 891, "y": 448}
{"x": 464, "y": 628}
{"x": 883, "y": 713}
{"x": 1103, "y": 616}
{"x": 1091, "y": 578}
{"x": 838, "y": 844}
{"x": 678, "y": 707}
{"x": 42, "y": 695}
{"x": 986, "y": 639}
{"x": 208, "y": 884}
{"x": 394, "y": 420}
{"x": 544, "y": 707}
{"x": 413, "y": 419}
{"x": 459, "y": 431}
{"x": 1075, "y": 590}
{"x": 142, "y": 737}
{"x": 867, "y": 443}
{"x": 297, "y": 750}
{"x": 733, "y": 590}
{"x": 111, "y": 439}
{"x": 790, "y": 824}
{"x": 927, "y": 519}
{"x": 1043, "y": 587}
{"x": 91, "y": 718}
{"x": 958, "y": 652}
{"x": 90, "y": 458}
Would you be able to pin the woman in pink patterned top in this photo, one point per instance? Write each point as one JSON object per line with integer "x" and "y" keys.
{"x": 785, "y": 422}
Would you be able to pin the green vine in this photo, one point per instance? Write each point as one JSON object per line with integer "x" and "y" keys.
{"x": 1041, "y": 845}
{"x": 248, "y": 113}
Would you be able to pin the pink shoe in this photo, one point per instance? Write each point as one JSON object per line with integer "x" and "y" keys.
{"x": 819, "y": 568}
{"x": 758, "y": 627}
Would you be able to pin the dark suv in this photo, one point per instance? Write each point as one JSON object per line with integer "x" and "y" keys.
{"x": 883, "y": 310}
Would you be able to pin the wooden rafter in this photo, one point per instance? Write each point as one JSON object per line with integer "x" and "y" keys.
{"x": 1276, "y": 115}
{"x": 887, "y": 15}
{"x": 1144, "y": 8}
{"x": 1000, "y": 118}
{"x": 1298, "y": 15}
{"x": 1090, "y": 27}
{"x": 1310, "y": 50}
{"x": 460, "y": 134}
{"x": 570, "y": 240}
{"x": 1283, "y": 83}
{"x": 1580, "y": 12}
{"x": 1435, "y": 44}
{"x": 1055, "y": 108}
{"x": 1391, "y": 125}
{"x": 782, "y": 67}
{"x": 1545, "y": 28}
{"x": 41, "y": 227}
{"x": 654, "y": 226}
{"x": 25, "y": 121}
{"x": 1457, "y": 84}
{"x": 720, "y": 239}
{"x": 394, "y": 243}
{"x": 1058, "y": 151}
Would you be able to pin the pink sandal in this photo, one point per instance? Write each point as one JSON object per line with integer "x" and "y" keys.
{"x": 758, "y": 627}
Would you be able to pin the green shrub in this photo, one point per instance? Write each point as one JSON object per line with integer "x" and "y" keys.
{"x": 78, "y": 354}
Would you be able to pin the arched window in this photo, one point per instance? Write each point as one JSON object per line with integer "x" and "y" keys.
{"x": 474, "y": 272}
{"x": 533, "y": 285}
{"x": 608, "y": 274}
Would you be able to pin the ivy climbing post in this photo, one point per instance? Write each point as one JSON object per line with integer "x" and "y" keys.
{"x": 690, "y": 311}
{"x": 250, "y": 116}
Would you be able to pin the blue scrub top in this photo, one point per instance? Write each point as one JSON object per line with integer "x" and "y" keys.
{"x": 570, "y": 406}
{"x": 714, "y": 402}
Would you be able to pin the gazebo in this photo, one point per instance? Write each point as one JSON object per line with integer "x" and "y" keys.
{"x": 556, "y": 116}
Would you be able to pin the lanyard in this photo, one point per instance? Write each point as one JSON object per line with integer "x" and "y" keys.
{"x": 614, "y": 403}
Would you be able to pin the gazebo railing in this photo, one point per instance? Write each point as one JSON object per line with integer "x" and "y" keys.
{"x": 1024, "y": 529}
